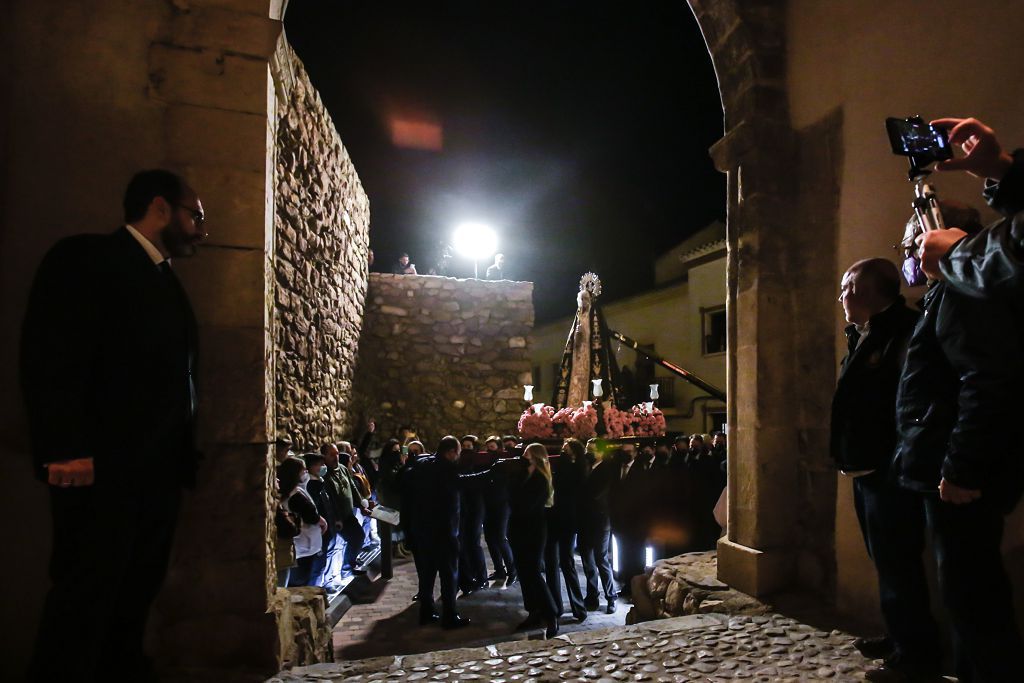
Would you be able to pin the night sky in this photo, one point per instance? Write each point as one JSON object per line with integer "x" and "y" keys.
{"x": 578, "y": 131}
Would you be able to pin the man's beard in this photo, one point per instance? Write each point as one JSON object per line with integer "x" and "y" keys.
{"x": 177, "y": 241}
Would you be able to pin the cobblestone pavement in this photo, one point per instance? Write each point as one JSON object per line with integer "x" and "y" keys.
{"x": 387, "y": 622}
{"x": 703, "y": 647}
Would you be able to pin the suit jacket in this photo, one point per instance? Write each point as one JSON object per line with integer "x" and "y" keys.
{"x": 108, "y": 361}
{"x": 863, "y": 427}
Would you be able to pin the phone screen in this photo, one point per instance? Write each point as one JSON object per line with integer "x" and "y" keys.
{"x": 913, "y": 137}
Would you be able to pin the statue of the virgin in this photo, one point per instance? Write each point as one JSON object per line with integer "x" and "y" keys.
{"x": 587, "y": 356}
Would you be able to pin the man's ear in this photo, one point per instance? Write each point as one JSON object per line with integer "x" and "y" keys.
{"x": 161, "y": 209}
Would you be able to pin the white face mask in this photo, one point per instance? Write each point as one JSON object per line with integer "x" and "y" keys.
{"x": 304, "y": 479}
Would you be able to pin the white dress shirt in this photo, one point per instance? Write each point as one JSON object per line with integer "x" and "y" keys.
{"x": 151, "y": 250}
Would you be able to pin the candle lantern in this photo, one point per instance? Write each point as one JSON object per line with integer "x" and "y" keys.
{"x": 654, "y": 392}
{"x": 649, "y": 406}
{"x": 598, "y": 391}
{"x": 527, "y": 392}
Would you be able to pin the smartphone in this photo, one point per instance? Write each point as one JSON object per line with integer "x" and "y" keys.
{"x": 914, "y": 137}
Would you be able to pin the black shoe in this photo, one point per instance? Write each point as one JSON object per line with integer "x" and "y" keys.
{"x": 552, "y": 629}
{"x": 429, "y": 618}
{"x": 875, "y": 648}
{"x": 467, "y": 591}
{"x": 610, "y": 609}
{"x": 591, "y": 604}
{"x": 532, "y": 621}
{"x": 512, "y": 578}
{"x": 455, "y": 622}
{"x": 580, "y": 616}
{"x": 416, "y": 597}
{"x": 497, "y": 577}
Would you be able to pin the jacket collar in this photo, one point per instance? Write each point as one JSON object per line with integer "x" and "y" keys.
{"x": 881, "y": 320}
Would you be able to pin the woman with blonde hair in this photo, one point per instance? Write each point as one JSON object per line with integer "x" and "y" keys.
{"x": 530, "y": 494}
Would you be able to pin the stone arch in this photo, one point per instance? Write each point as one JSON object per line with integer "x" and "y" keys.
{"x": 778, "y": 429}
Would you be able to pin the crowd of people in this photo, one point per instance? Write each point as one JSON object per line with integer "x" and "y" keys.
{"x": 925, "y": 420}
{"x": 534, "y": 511}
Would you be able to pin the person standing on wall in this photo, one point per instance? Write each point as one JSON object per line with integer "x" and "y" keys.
{"x": 107, "y": 368}
{"x": 496, "y": 271}
{"x": 863, "y": 439}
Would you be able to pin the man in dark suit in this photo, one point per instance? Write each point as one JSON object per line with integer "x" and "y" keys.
{"x": 863, "y": 441}
{"x": 435, "y": 498}
{"x": 108, "y": 357}
{"x": 595, "y": 532}
{"x": 628, "y": 513}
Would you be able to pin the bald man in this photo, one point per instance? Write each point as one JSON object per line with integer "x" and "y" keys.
{"x": 863, "y": 439}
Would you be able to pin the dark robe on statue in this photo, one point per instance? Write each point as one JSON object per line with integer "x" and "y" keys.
{"x": 588, "y": 355}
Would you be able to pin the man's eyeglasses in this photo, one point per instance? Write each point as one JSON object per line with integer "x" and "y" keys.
{"x": 198, "y": 216}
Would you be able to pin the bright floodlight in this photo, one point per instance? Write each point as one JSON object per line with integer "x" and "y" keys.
{"x": 475, "y": 240}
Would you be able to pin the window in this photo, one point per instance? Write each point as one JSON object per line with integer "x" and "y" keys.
{"x": 666, "y": 391}
{"x": 713, "y": 328}
{"x": 714, "y": 419}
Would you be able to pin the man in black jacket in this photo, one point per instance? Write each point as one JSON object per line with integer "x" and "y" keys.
{"x": 958, "y": 416}
{"x": 108, "y": 357}
{"x": 990, "y": 263}
{"x": 435, "y": 530}
{"x": 863, "y": 439}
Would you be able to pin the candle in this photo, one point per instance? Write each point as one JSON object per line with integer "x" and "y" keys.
{"x": 654, "y": 392}
{"x": 598, "y": 391}
{"x": 527, "y": 392}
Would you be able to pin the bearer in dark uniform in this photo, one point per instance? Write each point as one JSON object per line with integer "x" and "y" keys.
{"x": 435, "y": 530}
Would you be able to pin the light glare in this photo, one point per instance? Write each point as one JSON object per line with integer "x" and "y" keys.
{"x": 475, "y": 240}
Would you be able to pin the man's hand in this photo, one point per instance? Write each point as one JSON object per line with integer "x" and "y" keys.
{"x": 78, "y": 472}
{"x": 957, "y": 495}
{"x": 983, "y": 155}
{"x": 933, "y": 245}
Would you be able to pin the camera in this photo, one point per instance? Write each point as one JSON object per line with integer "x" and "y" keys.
{"x": 922, "y": 142}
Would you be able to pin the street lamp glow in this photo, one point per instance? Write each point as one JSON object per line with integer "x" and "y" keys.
{"x": 475, "y": 241}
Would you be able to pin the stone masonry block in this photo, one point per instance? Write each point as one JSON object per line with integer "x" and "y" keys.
{"x": 208, "y": 78}
{"x": 226, "y": 286}
{"x": 235, "y": 204}
{"x": 218, "y": 137}
{"x": 223, "y": 28}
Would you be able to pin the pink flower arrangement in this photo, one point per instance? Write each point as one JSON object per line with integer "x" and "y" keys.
{"x": 584, "y": 421}
{"x": 648, "y": 423}
{"x": 562, "y": 421}
{"x": 535, "y": 422}
{"x": 617, "y": 423}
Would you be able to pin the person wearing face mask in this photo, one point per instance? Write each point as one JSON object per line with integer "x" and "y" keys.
{"x": 294, "y": 475}
{"x": 315, "y": 487}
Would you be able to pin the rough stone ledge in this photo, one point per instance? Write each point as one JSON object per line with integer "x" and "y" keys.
{"x": 687, "y": 584}
{"x": 697, "y": 647}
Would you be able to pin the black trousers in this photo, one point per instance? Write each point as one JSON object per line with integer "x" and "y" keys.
{"x": 595, "y": 540}
{"x": 892, "y": 520}
{"x": 528, "y": 536}
{"x": 558, "y": 555}
{"x": 631, "y": 557}
{"x": 111, "y": 548}
{"x": 496, "y": 534}
{"x": 437, "y": 557}
{"x": 976, "y": 589}
{"x": 472, "y": 562}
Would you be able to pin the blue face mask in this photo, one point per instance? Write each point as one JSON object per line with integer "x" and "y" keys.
{"x": 323, "y": 470}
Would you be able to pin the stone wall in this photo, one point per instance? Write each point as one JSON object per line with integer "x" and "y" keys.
{"x": 444, "y": 356}
{"x": 321, "y": 227}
